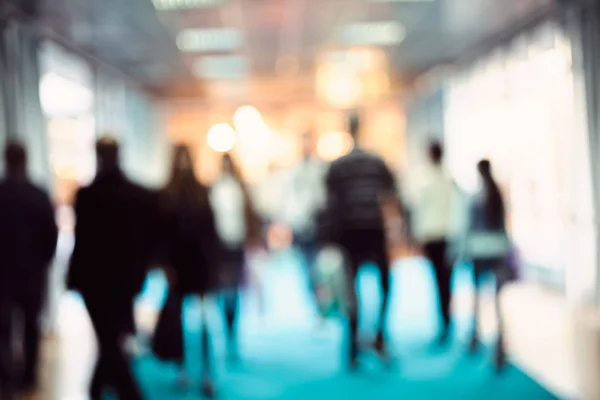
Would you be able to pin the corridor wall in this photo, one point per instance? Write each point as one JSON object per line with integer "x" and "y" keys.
{"x": 21, "y": 113}
{"x": 424, "y": 122}
{"x": 518, "y": 107}
{"x": 582, "y": 23}
{"x": 124, "y": 110}
{"x": 67, "y": 102}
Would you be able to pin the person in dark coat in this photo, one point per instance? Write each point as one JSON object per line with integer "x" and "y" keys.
{"x": 114, "y": 239}
{"x": 28, "y": 236}
{"x": 193, "y": 255}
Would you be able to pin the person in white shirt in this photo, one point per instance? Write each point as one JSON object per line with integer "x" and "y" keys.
{"x": 433, "y": 220}
{"x": 268, "y": 196}
{"x": 305, "y": 198}
{"x": 238, "y": 228}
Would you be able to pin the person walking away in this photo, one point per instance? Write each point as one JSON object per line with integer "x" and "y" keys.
{"x": 194, "y": 255}
{"x": 357, "y": 186}
{"x": 28, "y": 236}
{"x": 305, "y": 198}
{"x": 114, "y": 239}
{"x": 239, "y": 229}
{"x": 488, "y": 247}
{"x": 433, "y": 227}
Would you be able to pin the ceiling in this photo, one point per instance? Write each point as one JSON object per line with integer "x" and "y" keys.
{"x": 269, "y": 35}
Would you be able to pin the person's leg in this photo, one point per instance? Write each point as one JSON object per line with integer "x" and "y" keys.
{"x": 6, "y": 358}
{"x": 383, "y": 264}
{"x": 31, "y": 341}
{"x": 231, "y": 306}
{"x": 500, "y": 351}
{"x": 231, "y": 299}
{"x": 436, "y": 253}
{"x": 113, "y": 366}
{"x": 207, "y": 385}
{"x": 353, "y": 264}
{"x": 474, "y": 341}
{"x": 310, "y": 255}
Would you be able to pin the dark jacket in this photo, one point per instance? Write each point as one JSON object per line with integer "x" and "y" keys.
{"x": 28, "y": 236}
{"x": 481, "y": 220}
{"x": 115, "y": 235}
{"x": 355, "y": 186}
{"x": 192, "y": 247}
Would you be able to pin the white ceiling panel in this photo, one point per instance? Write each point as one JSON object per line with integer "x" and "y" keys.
{"x": 143, "y": 34}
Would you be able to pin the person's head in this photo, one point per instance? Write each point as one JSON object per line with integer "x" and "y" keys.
{"x": 183, "y": 187}
{"x": 227, "y": 164}
{"x": 107, "y": 154}
{"x": 494, "y": 204}
{"x": 182, "y": 159}
{"x": 485, "y": 170}
{"x": 308, "y": 144}
{"x": 15, "y": 158}
{"x": 436, "y": 153}
{"x": 354, "y": 125}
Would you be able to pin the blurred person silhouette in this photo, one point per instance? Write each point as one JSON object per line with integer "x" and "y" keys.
{"x": 115, "y": 234}
{"x": 305, "y": 198}
{"x": 488, "y": 247}
{"x": 432, "y": 211}
{"x": 194, "y": 254}
{"x": 358, "y": 184}
{"x": 239, "y": 229}
{"x": 28, "y": 236}
{"x": 268, "y": 193}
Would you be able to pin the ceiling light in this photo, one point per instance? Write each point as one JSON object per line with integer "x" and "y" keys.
{"x": 373, "y": 33}
{"x": 222, "y": 67}
{"x": 402, "y": 1}
{"x": 362, "y": 60}
{"x": 171, "y": 5}
{"x": 247, "y": 118}
{"x": 221, "y": 138}
{"x": 340, "y": 87}
{"x": 206, "y": 40}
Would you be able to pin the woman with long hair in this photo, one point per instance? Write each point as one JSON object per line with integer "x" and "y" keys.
{"x": 488, "y": 248}
{"x": 192, "y": 256}
{"x": 239, "y": 228}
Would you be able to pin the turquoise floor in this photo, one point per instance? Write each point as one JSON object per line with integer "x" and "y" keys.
{"x": 285, "y": 356}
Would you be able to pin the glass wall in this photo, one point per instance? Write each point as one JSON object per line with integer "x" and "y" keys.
{"x": 123, "y": 110}
{"x": 67, "y": 101}
{"x": 517, "y": 108}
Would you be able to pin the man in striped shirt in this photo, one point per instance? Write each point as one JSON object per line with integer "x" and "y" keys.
{"x": 357, "y": 186}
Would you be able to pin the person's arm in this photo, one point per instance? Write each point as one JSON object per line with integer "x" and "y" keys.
{"x": 48, "y": 229}
{"x": 390, "y": 194}
{"x": 330, "y": 184}
{"x": 74, "y": 275}
{"x": 252, "y": 219}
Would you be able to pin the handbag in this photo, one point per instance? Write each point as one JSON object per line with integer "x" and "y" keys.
{"x": 514, "y": 263}
{"x": 330, "y": 280}
{"x": 487, "y": 244}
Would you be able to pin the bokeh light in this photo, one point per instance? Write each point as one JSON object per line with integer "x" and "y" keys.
{"x": 332, "y": 145}
{"x": 339, "y": 86}
{"x": 247, "y": 119}
{"x": 221, "y": 138}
